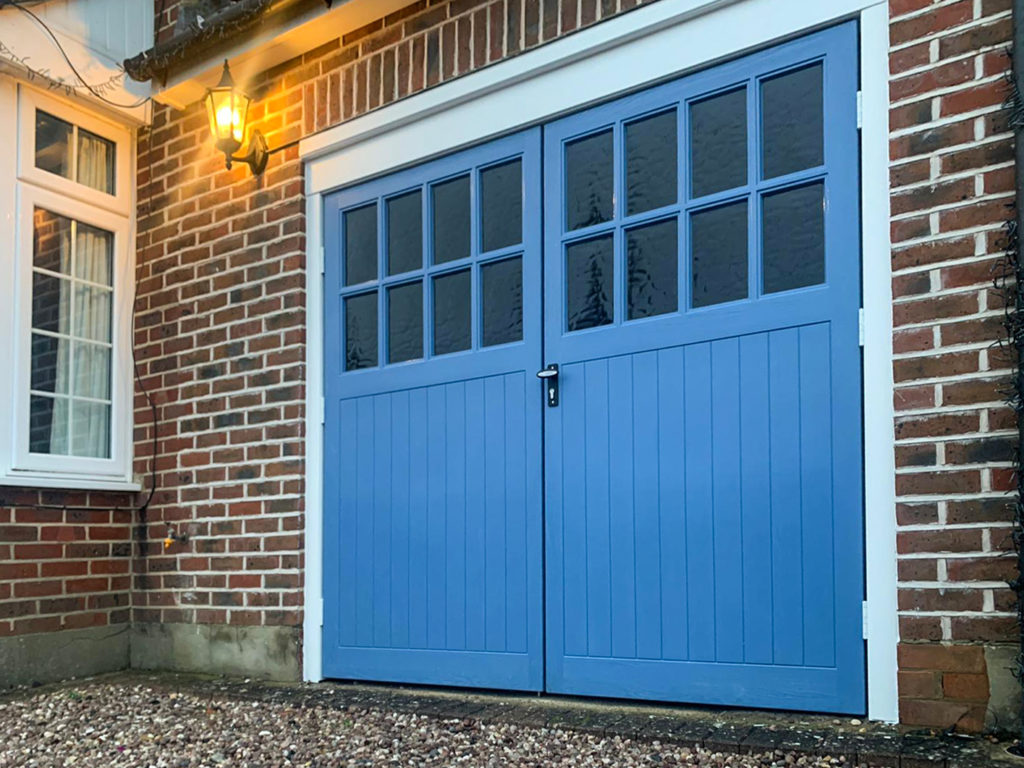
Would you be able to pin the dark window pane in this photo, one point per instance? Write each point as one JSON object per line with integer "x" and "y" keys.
{"x": 53, "y": 144}
{"x": 588, "y": 180}
{"x": 501, "y": 192}
{"x": 361, "y": 245}
{"x": 95, "y": 161}
{"x": 651, "y": 160}
{"x": 405, "y": 233}
{"x": 719, "y": 248}
{"x": 452, "y": 313}
{"x": 451, "y": 220}
{"x": 405, "y": 322}
{"x": 590, "y": 283}
{"x": 51, "y": 297}
{"x": 794, "y": 238}
{"x": 51, "y": 242}
{"x": 502, "y": 301}
{"x": 652, "y": 264}
{"x": 361, "y": 331}
{"x": 793, "y": 122}
{"x": 718, "y": 143}
{"x": 48, "y": 424}
{"x": 50, "y": 364}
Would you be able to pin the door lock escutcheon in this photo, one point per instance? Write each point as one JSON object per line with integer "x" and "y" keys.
{"x": 549, "y": 376}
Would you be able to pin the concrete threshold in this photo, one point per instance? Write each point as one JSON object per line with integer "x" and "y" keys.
{"x": 718, "y": 730}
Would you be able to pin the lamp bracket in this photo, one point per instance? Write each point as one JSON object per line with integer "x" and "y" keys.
{"x": 256, "y": 157}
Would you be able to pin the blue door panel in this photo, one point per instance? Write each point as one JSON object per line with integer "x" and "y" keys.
{"x": 703, "y": 500}
{"x": 433, "y": 562}
{"x": 686, "y": 524}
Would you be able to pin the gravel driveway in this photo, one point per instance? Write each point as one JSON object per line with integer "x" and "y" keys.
{"x": 110, "y": 723}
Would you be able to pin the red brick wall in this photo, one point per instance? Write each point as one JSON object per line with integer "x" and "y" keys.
{"x": 220, "y": 331}
{"x": 63, "y": 567}
{"x": 952, "y": 181}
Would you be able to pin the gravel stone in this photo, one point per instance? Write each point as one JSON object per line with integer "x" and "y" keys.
{"x": 102, "y": 724}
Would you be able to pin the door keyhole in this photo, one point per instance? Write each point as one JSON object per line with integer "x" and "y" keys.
{"x": 549, "y": 376}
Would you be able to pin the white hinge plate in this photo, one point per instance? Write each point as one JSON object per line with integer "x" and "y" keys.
{"x": 323, "y": 411}
{"x": 860, "y": 326}
{"x": 860, "y": 109}
{"x": 864, "y": 619}
{"x": 321, "y": 609}
{"x": 323, "y": 261}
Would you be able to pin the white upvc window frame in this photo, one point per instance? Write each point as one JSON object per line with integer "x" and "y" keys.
{"x": 23, "y": 188}
{"x": 31, "y": 101}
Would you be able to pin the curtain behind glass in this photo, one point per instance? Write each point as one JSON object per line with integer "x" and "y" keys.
{"x": 95, "y": 161}
{"x": 91, "y": 421}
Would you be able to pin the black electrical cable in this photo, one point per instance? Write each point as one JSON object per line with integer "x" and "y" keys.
{"x": 285, "y": 146}
{"x": 1015, "y": 326}
{"x": 63, "y": 53}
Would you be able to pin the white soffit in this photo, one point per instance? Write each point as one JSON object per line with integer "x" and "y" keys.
{"x": 266, "y": 47}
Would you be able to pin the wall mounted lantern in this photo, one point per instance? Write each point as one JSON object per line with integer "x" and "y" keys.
{"x": 228, "y": 109}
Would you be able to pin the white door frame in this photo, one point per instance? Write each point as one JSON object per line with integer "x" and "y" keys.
{"x": 651, "y": 44}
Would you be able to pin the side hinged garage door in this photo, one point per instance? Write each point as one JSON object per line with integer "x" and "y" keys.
{"x": 432, "y": 452}
{"x": 674, "y": 510}
{"x": 702, "y": 286}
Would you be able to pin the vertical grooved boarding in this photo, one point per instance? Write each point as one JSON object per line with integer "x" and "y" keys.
{"x": 697, "y": 509}
{"x": 432, "y": 539}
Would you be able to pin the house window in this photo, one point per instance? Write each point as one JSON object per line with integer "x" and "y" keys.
{"x": 69, "y": 314}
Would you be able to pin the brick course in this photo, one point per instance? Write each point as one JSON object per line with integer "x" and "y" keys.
{"x": 952, "y": 184}
{"x": 65, "y": 560}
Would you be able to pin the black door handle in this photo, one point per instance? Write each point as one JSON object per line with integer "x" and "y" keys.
{"x": 549, "y": 376}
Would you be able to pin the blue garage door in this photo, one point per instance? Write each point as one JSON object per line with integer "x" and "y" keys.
{"x": 674, "y": 511}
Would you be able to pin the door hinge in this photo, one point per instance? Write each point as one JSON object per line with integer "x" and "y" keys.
{"x": 323, "y": 410}
{"x": 321, "y": 609}
{"x": 860, "y": 326}
{"x": 323, "y": 262}
{"x": 864, "y": 619}
{"x": 860, "y": 110}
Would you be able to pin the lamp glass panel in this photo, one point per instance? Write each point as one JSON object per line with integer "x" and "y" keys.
{"x": 227, "y": 111}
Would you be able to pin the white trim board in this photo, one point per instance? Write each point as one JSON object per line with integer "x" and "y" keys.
{"x": 879, "y": 437}
{"x": 651, "y": 44}
{"x": 312, "y": 615}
